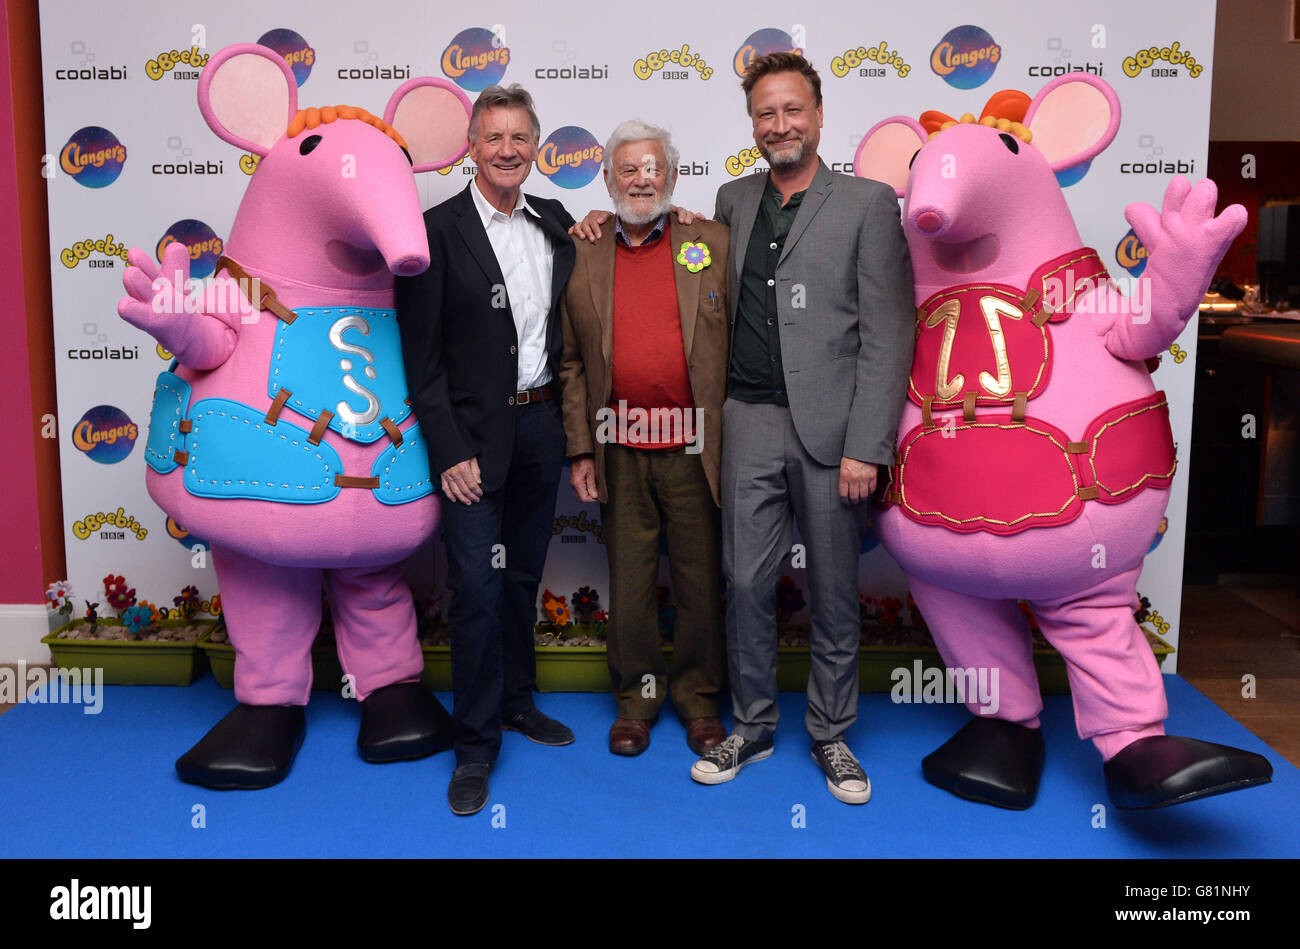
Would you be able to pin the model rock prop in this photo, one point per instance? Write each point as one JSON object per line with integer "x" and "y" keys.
{"x": 1035, "y": 454}
{"x": 283, "y": 432}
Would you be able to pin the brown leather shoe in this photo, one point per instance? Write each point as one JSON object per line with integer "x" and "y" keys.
{"x": 629, "y": 736}
{"x": 704, "y": 733}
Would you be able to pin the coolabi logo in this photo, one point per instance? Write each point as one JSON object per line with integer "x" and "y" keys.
{"x": 75, "y": 901}
{"x": 1152, "y": 57}
{"x": 1061, "y": 69}
{"x": 870, "y": 63}
{"x": 185, "y": 64}
{"x": 1178, "y": 166}
{"x": 93, "y": 157}
{"x": 371, "y": 67}
{"x": 91, "y": 73}
{"x": 1131, "y": 253}
{"x": 931, "y": 684}
{"x": 182, "y": 161}
{"x": 570, "y": 157}
{"x": 475, "y": 59}
{"x": 693, "y": 168}
{"x": 106, "y": 434}
{"x": 83, "y": 528}
{"x": 105, "y": 352}
{"x": 760, "y": 43}
{"x": 297, "y": 52}
{"x": 184, "y": 537}
{"x": 571, "y": 72}
{"x": 66, "y": 686}
{"x": 81, "y": 250}
{"x": 965, "y": 57}
{"x": 204, "y": 245}
{"x": 737, "y": 163}
{"x": 674, "y": 64}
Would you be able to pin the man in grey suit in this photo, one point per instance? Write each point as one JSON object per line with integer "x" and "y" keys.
{"x": 823, "y": 327}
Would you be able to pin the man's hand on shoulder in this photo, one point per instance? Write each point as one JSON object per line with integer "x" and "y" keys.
{"x": 857, "y": 480}
{"x": 462, "y": 482}
{"x": 589, "y": 227}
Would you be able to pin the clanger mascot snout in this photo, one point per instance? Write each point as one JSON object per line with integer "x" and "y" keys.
{"x": 1033, "y": 437}
{"x": 283, "y": 432}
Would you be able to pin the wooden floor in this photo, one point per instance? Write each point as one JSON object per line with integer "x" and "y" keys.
{"x": 1246, "y": 625}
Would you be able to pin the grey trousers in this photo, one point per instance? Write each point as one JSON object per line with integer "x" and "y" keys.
{"x": 767, "y": 477}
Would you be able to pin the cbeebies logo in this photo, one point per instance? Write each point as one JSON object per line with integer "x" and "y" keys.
{"x": 81, "y": 250}
{"x": 173, "y": 61}
{"x": 1153, "y": 56}
{"x": 674, "y": 64}
{"x": 870, "y": 63}
{"x": 737, "y": 163}
{"x": 103, "y": 524}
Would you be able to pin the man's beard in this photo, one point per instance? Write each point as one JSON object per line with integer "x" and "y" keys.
{"x": 787, "y": 158}
{"x": 625, "y": 212}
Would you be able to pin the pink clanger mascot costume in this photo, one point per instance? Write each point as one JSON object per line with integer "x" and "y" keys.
{"x": 1035, "y": 455}
{"x": 283, "y": 432}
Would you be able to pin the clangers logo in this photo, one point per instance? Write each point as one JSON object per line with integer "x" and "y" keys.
{"x": 965, "y": 57}
{"x": 1131, "y": 253}
{"x": 106, "y": 434}
{"x": 204, "y": 245}
{"x": 570, "y": 157}
{"x": 762, "y": 42}
{"x": 297, "y": 52}
{"x": 476, "y": 58}
{"x": 93, "y": 157}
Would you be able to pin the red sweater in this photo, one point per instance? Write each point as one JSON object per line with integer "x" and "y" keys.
{"x": 649, "y": 361}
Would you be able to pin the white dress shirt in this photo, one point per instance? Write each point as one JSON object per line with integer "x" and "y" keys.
{"x": 525, "y": 256}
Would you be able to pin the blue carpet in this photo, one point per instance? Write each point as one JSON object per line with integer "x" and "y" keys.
{"x": 78, "y": 786}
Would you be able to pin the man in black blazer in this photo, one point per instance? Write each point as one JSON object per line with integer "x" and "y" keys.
{"x": 482, "y": 342}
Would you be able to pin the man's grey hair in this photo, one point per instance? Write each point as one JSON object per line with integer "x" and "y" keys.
{"x": 497, "y": 96}
{"x": 634, "y": 130}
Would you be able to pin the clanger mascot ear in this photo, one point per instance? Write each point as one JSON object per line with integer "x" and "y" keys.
{"x": 283, "y": 432}
{"x": 1033, "y": 433}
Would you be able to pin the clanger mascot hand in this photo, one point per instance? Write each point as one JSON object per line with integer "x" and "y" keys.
{"x": 1033, "y": 438}
{"x": 283, "y": 433}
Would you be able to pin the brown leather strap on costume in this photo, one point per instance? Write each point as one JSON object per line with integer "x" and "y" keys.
{"x": 318, "y": 430}
{"x": 391, "y": 429}
{"x": 968, "y": 407}
{"x": 1030, "y": 300}
{"x": 895, "y": 497}
{"x": 185, "y": 426}
{"x": 1042, "y": 316}
{"x": 351, "y": 481}
{"x": 1090, "y": 493}
{"x": 1076, "y": 448}
{"x": 181, "y": 457}
{"x": 267, "y": 300}
{"x": 1018, "y": 407}
{"x": 273, "y": 413}
{"x": 926, "y": 418}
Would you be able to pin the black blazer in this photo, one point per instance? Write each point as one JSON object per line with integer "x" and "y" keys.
{"x": 461, "y": 352}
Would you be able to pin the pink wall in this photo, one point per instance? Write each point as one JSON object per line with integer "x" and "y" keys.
{"x": 21, "y": 579}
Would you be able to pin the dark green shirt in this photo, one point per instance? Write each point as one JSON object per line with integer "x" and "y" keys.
{"x": 755, "y": 373}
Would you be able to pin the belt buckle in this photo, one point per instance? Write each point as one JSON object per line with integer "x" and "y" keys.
{"x": 523, "y": 398}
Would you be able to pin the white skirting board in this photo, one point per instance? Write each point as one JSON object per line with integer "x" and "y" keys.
{"x": 22, "y": 626}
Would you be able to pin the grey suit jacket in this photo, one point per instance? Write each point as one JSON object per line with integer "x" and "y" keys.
{"x": 845, "y": 308}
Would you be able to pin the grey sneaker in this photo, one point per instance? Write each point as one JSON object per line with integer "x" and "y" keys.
{"x": 723, "y": 762}
{"x": 844, "y": 776}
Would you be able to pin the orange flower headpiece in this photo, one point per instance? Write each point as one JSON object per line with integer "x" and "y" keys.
{"x": 313, "y": 117}
{"x": 1005, "y": 111}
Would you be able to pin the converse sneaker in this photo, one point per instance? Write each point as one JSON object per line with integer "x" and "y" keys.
{"x": 844, "y": 776}
{"x": 723, "y": 762}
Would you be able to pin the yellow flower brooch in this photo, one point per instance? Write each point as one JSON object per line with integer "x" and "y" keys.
{"x": 694, "y": 257}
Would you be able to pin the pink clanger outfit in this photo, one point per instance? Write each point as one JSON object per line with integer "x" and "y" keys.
{"x": 1035, "y": 454}
{"x": 283, "y": 433}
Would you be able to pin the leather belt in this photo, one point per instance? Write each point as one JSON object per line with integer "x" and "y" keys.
{"x": 544, "y": 394}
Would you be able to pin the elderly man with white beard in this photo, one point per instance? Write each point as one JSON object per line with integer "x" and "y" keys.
{"x": 644, "y": 375}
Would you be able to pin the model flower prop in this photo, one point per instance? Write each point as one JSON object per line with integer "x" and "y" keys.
{"x": 187, "y": 602}
{"x": 137, "y": 618}
{"x": 118, "y": 595}
{"x": 556, "y": 609}
{"x": 789, "y": 600}
{"x": 584, "y": 602}
{"x": 694, "y": 256}
{"x": 58, "y": 597}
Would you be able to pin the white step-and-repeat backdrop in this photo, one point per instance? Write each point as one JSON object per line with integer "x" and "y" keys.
{"x": 131, "y": 163}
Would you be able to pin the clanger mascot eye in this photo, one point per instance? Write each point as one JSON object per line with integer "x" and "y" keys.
{"x": 283, "y": 433}
{"x": 1033, "y": 433}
